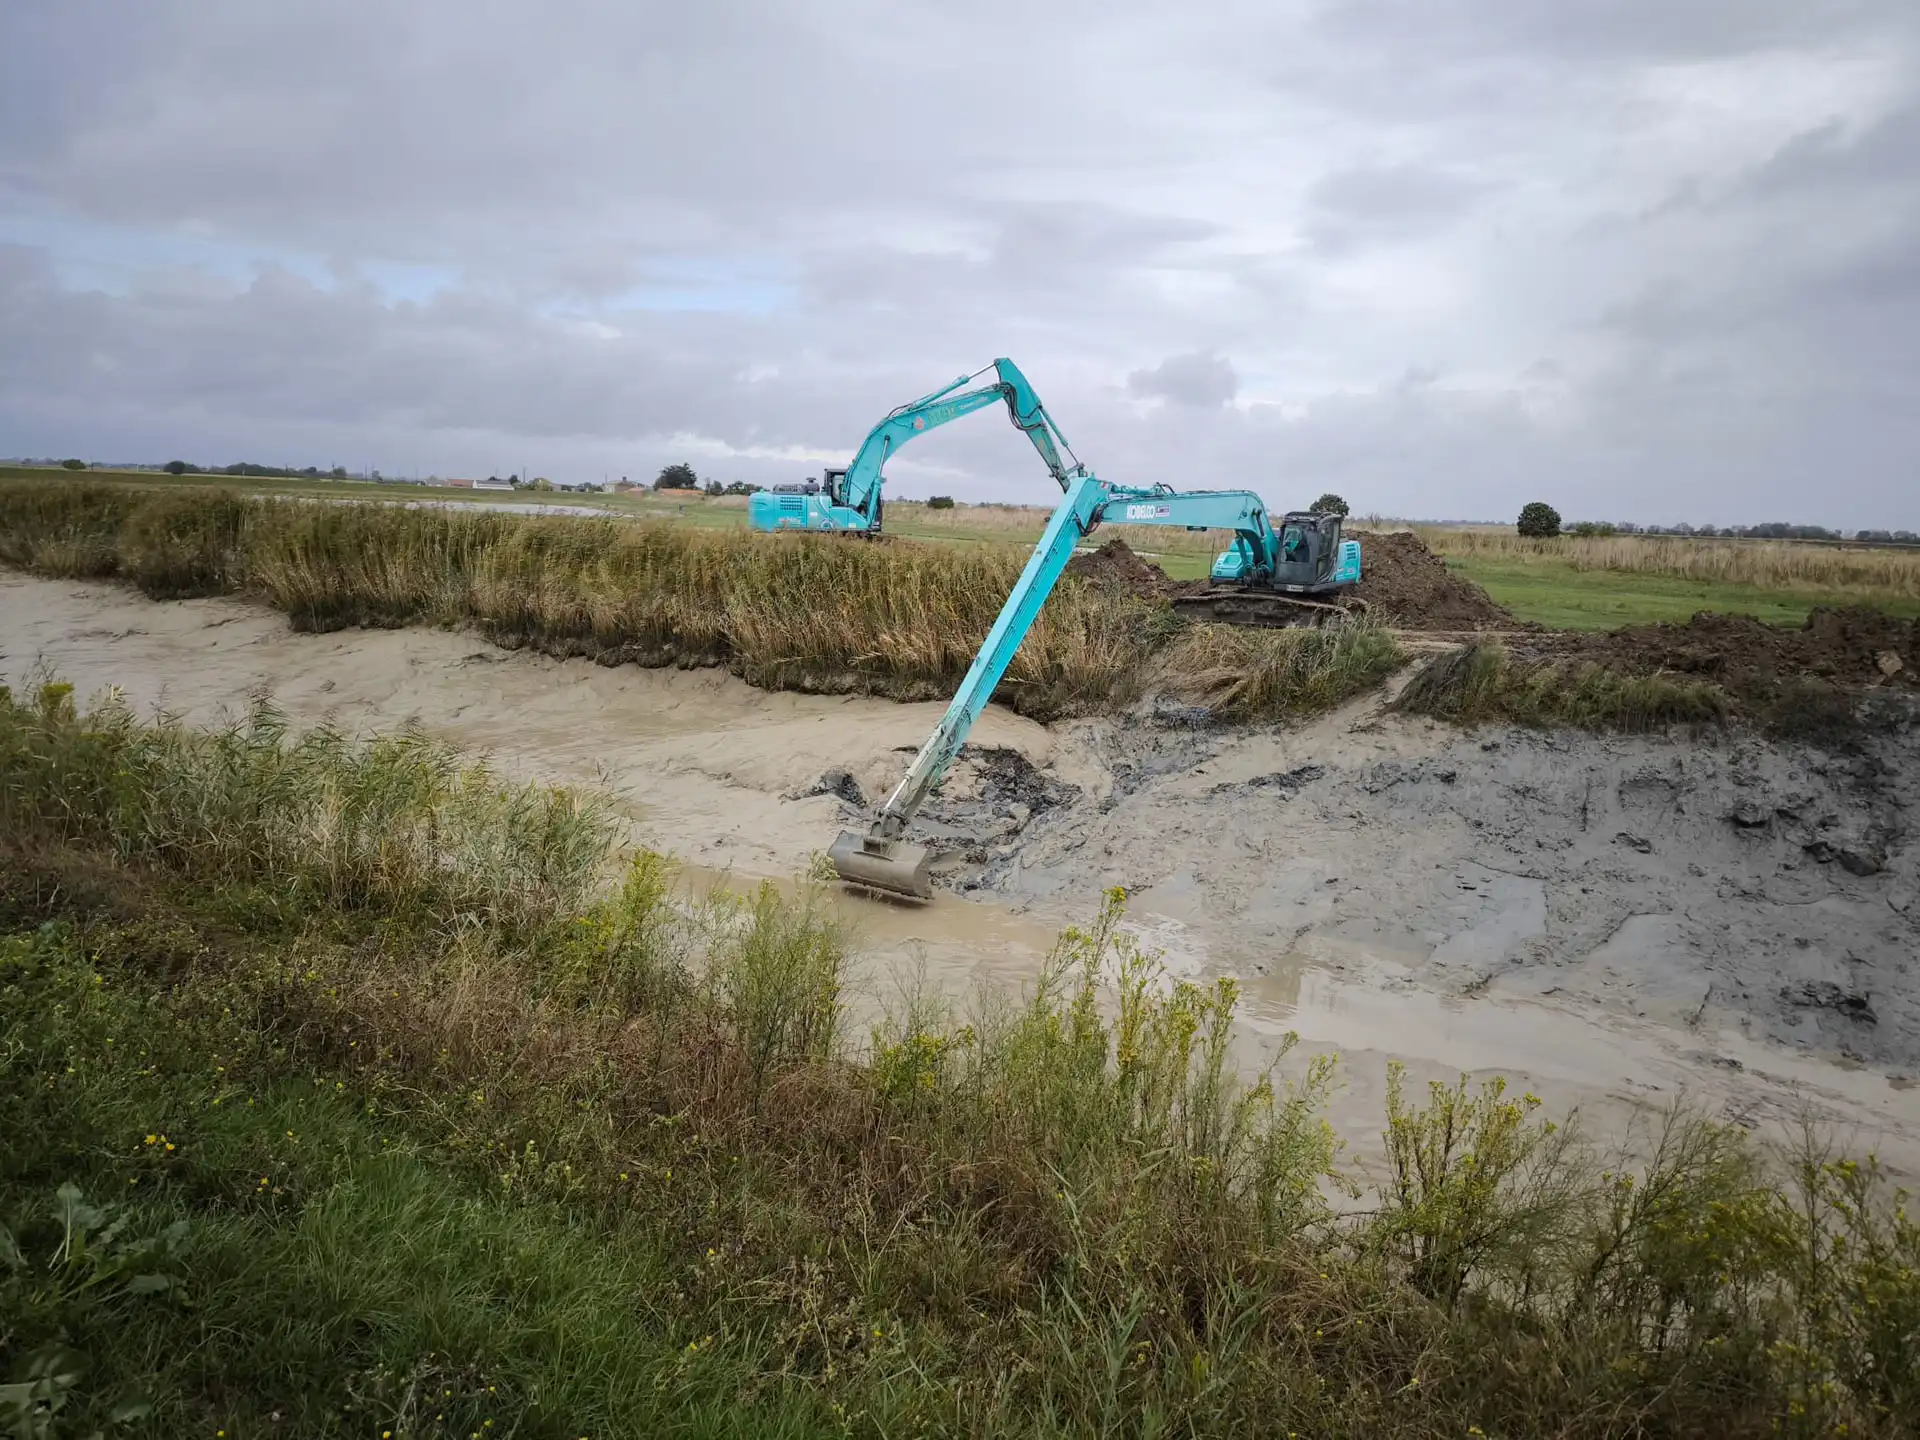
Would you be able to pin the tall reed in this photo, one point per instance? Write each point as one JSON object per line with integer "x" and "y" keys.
{"x": 1841, "y": 571}
{"x": 785, "y": 612}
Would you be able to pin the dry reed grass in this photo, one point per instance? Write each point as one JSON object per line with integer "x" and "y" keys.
{"x": 1016, "y": 523}
{"x": 793, "y": 612}
{"x": 1840, "y": 571}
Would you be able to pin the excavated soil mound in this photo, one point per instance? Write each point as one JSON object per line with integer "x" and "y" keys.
{"x": 1403, "y": 582}
{"x": 1848, "y": 646}
{"x": 1114, "y": 563}
{"x": 1406, "y": 584}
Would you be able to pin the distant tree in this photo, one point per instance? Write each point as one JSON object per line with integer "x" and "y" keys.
{"x": 73, "y": 464}
{"x": 1539, "y": 521}
{"x": 1331, "y": 504}
{"x": 677, "y": 477}
{"x": 940, "y": 502}
{"x": 1592, "y": 528}
{"x": 541, "y": 483}
{"x": 715, "y": 488}
{"x": 176, "y": 467}
{"x": 742, "y": 487}
{"x": 339, "y": 472}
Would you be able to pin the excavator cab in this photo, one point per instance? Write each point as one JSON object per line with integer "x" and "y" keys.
{"x": 1309, "y": 555}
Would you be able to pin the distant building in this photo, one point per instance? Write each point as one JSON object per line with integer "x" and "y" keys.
{"x": 492, "y": 483}
{"x": 623, "y": 485}
{"x": 459, "y": 484}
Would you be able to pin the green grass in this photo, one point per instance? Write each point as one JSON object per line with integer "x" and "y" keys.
{"x": 1563, "y": 598}
{"x": 280, "y": 1155}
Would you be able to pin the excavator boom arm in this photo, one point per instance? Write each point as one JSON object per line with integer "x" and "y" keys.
{"x": 1240, "y": 511}
{"x": 881, "y": 858}
{"x": 1031, "y": 416}
{"x": 929, "y": 412}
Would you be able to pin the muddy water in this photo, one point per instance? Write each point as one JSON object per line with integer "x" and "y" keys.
{"x": 1581, "y": 918}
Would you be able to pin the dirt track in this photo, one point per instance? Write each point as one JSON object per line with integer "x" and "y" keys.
{"x": 1610, "y": 921}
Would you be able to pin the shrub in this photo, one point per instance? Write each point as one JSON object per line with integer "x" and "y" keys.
{"x": 73, "y": 464}
{"x": 677, "y": 477}
{"x": 1331, "y": 504}
{"x": 1539, "y": 521}
{"x": 940, "y": 502}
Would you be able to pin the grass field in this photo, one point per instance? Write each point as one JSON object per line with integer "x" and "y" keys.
{"x": 1558, "y": 595}
{"x": 347, "y": 1090}
{"x": 1599, "y": 583}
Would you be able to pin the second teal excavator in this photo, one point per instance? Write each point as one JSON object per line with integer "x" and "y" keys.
{"x": 1291, "y": 574}
{"x": 849, "y": 501}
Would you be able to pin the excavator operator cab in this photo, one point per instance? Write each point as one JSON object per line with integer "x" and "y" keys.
{"x": 835, "y": 487}
{"x": 1308, "y": 548}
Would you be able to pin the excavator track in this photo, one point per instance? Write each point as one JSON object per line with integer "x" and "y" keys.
{"x": 1265, "y": 609}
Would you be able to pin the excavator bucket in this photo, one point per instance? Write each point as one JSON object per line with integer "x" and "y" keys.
{"x": 897, "y": 867}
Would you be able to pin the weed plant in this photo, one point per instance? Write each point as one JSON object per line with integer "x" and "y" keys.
{"x": 492, "y": 1130}
{"x": 1483, "y": 684}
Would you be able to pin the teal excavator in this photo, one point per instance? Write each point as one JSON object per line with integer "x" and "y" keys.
{"x": 848, "y": 501}
{"x": 1290, "y": 574}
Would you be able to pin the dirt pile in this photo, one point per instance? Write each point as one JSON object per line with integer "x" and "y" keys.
{"x": 1849, "y": 646}
{"x": 1115, "y": 563}
{"x": 1407, "y": 585}
{"x": 1403, "y": 582}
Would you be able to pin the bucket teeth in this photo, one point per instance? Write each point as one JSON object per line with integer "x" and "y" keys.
{"x": 894, "y": 866}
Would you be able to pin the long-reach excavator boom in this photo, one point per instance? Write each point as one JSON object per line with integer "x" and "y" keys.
{"x": 850, "y": 499}
{"x": 1259, "y": 557}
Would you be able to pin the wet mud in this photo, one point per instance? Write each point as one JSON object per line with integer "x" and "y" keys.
{"x": 1613, "y": 922}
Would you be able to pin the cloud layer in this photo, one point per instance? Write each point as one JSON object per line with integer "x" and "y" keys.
{"x": 1647, "y": 259}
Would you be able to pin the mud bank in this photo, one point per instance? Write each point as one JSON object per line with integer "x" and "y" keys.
{"x": 712, "y": 769}
{"x": 1613, "y": 922}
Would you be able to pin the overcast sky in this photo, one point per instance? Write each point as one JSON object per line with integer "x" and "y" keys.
{"x": 1645, "y": 259}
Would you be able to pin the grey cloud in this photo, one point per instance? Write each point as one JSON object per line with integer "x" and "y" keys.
{"x": 1197, "y": 379}
{"x": 1401, "y": 202}
{"x": 1824, "y": 157}
{"x": 1608, "y": 31}
{"x": 752, "y": 229}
